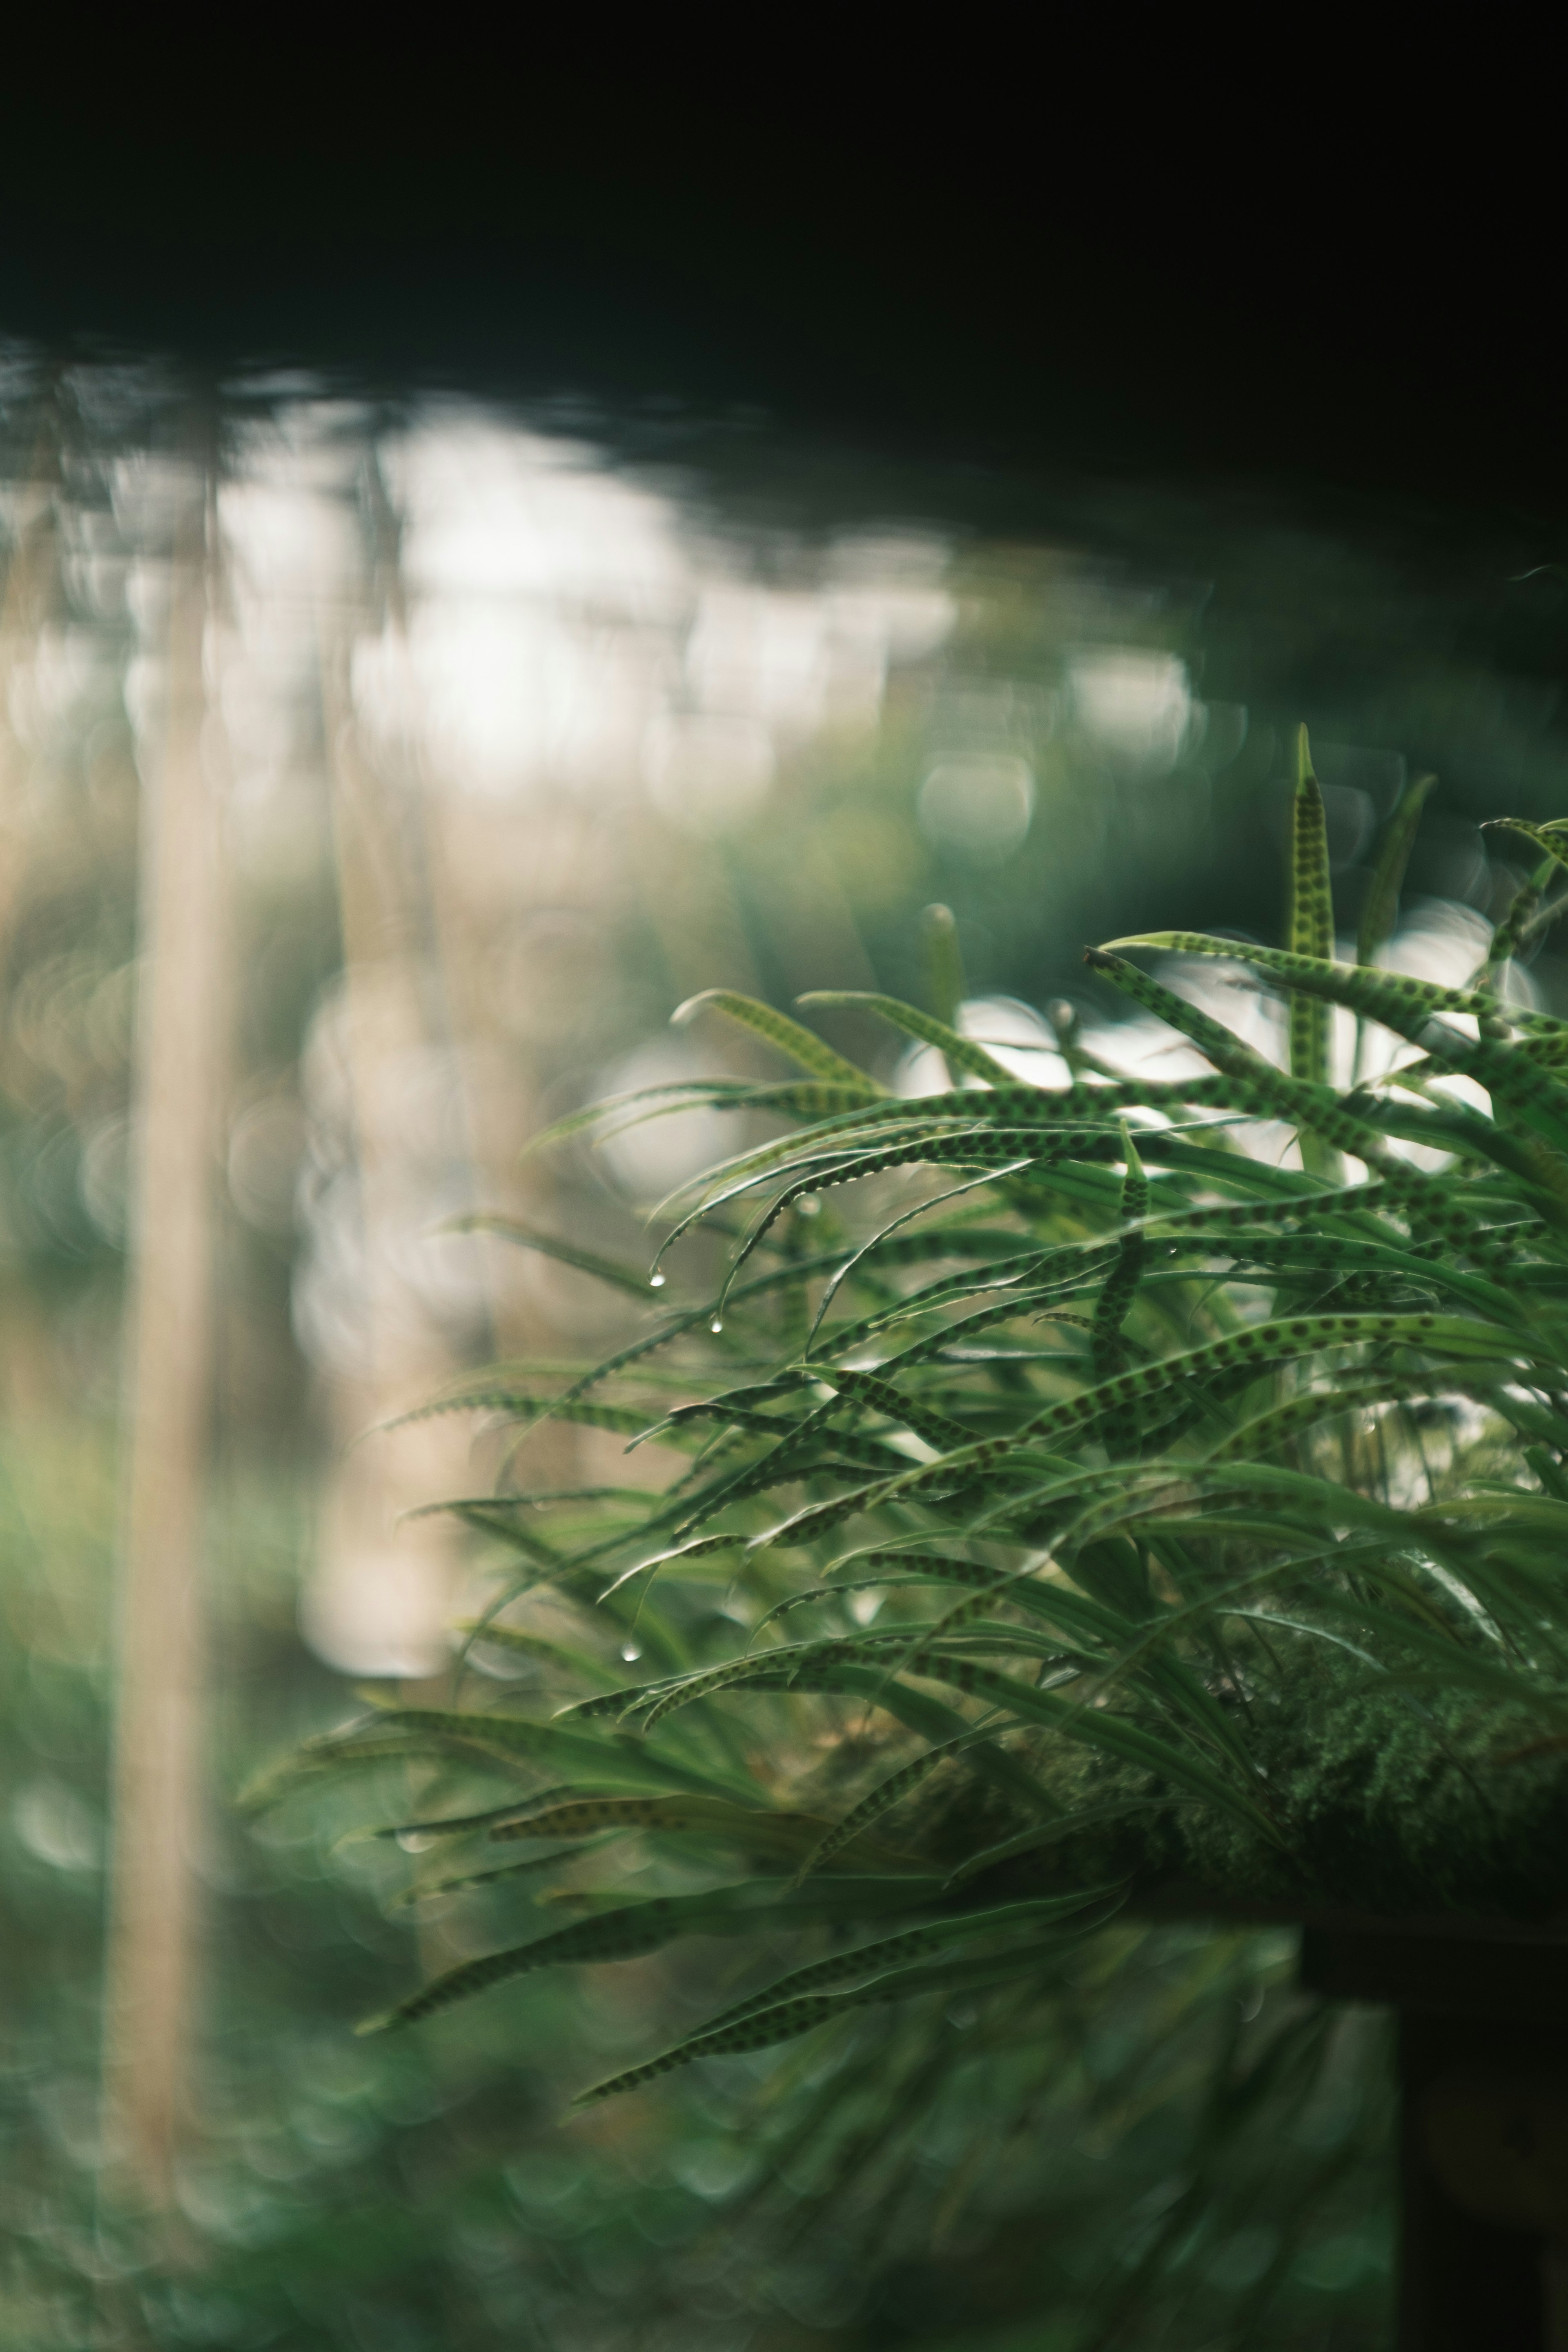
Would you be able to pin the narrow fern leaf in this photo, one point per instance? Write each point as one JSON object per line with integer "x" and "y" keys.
{"x": 1549, "y": 839}
{"x": 1509, "y": 935}
{"x": 1106, "y": 1345}
{"x": 510, "y": 1229}
{"x": 794, "y": 2005}
{"x": 698, "y": 1093}
{"x": 1394, "y": 998}
{"x": 881, "y": 1240}
{"x": 957, "y": 1928}
{"x": 808, "y": 1052}
{"x": 787, "y": 2021}
{"x": 884, "y": 1797}
{"x": 960, "y": 1052}
{"x": 780, "y": 1835}
{"x": 1258, "y": 1346}
{"x": 1008, "y": 1150}
{"x": 938, "y": 1429}
{"x": 432, "y": 1890}
{"x": 1310, "y": 927}
{"x": 1270, "y": 1429}
{"x": 623, "y": 1764}
{"x": 635, "y": 1928}
{"x": 943, "y": 962}
{"x": 1222, "y": 1046}
{"x": 1381, "y": 910}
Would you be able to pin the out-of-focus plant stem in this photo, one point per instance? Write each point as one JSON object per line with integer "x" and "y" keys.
{"x": 179, "y": 1071}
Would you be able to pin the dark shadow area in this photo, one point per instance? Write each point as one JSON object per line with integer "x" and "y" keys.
{"x": 974, "y": 267}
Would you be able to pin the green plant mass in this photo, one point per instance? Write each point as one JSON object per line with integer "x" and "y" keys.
{"x": 1104, "y": 1496}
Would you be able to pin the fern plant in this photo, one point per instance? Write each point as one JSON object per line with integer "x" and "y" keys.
{"x": 1114, "y": 1517}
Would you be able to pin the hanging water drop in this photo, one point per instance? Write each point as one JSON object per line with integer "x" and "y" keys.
{"x": 630, "y": 1652}
{"x": 716, "y": 1326}
{"x": 656, "y": 1282}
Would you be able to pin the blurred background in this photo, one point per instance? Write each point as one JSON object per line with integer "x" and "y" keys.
{"x": 404, "y": 707}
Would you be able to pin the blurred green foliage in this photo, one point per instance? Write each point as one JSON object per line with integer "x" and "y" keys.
{"x": 425, "y": 2190}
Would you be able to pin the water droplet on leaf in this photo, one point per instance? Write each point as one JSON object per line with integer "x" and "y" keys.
{"x": 716, "y": 1326}
{"x": 656, "y": 1282}
{"x": 630, "y": 1652}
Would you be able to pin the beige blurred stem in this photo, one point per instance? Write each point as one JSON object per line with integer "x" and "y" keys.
{"x": 169, "y": 1365}
{"x": 28, "y": 603}
{"x": 381, "y": 1593}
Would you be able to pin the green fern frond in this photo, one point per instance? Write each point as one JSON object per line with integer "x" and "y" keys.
{"x": 1158, "y": 1516}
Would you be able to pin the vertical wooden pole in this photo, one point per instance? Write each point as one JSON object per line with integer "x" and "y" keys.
{"x": 169, "y": 1349}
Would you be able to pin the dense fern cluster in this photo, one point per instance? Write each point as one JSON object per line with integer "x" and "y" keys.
{"x": 1113, "y": 1514}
